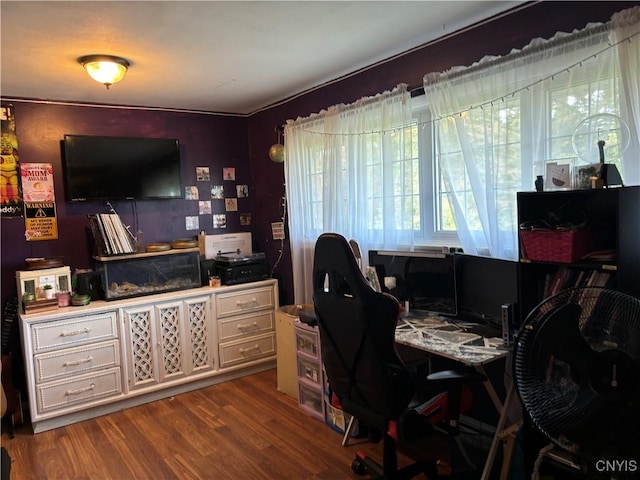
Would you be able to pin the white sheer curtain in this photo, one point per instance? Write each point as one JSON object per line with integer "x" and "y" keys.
{"x": 625, "y": 28}
{"x": 498, "y": 121}
{"x": 343, "y": 171}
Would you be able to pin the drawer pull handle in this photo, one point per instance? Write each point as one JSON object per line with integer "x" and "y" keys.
{"x": 250, "y": 349}
{"x": 72, "y": 363}
{"x": 80, "y": 390}
{"x": 246, "y": 326}
{"x": 244, "y": 303}
{"x": 75, "y": 332}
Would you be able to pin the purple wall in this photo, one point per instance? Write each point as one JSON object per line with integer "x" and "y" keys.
{"x": 205, "y": 140}
{"x": 220, "y": 141}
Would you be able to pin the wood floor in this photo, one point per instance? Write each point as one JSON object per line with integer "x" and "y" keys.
{"x": 242, "y": 429}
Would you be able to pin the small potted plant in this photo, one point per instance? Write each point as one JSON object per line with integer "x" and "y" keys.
{"x": 48, "y": 291}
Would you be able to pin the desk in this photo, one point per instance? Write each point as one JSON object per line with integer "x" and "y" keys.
{"x": 457, "y": 341}
{"x": 450, "y": 339}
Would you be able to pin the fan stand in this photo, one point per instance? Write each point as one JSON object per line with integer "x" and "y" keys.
{"x": 577, "y": 371}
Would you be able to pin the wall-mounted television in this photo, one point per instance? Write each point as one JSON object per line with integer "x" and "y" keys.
{"x": 118, "y": 168}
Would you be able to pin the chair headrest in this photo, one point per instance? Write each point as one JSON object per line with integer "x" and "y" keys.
{"x": 334, "y": 257}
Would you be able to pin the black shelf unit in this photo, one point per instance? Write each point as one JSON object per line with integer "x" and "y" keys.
{"x": 612, "y": 215}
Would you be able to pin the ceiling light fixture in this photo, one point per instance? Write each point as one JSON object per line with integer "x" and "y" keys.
{"x": 105, "y": 69}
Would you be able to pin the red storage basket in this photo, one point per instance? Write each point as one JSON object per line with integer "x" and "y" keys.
{"x": 556, "y": 245}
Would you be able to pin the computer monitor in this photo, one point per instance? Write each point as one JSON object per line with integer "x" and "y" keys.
{"x": 484, "y": 285}
{"x": 426, "y": 280}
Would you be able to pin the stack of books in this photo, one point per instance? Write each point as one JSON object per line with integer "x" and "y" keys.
{"x": 110, "y": 235}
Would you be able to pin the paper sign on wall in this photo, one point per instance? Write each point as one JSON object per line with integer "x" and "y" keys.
{"x": 40, "y": 221}
{"x": 39, "y": 201}
{"x": 37, "y": 182}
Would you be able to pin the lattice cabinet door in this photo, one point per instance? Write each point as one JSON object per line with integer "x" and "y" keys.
{"x": 170, "y": 335}
{"x": 201, "y": 344}
{"x": 141, "y": 359}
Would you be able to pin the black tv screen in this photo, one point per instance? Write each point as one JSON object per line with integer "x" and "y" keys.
{"x": 117, "y": 168}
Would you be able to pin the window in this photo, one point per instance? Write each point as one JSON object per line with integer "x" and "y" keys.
{"x": 450, "y": 169}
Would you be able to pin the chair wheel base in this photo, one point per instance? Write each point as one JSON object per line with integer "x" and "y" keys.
{"x": 358, "y": 467}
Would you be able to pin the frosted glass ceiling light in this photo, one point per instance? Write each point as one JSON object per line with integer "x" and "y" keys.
{"x": 105, "y": 69}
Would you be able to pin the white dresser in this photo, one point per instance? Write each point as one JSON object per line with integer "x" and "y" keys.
{"x": 82, "y": 362}
{"x": 246, "y": 324}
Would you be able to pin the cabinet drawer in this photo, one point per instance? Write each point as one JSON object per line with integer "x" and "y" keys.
{"x": 234, "y": 303}
{"x": 251, "y": 349}
{"x": 310, "y": 400}
{"x": 53, "y": 365}
{"x": 74, "y": 331}
{"x": 310, "y": 370}
{"x": 77, "y": 390}
{"x": 307, "y": 342}
{"x": 237, "y": 327}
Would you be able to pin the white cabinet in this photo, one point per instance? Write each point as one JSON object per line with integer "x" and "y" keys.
{"x": 245, "y": 318}
{"x": 82, "y": 362}
{"x": 168, "y": 340}
{"x": 72, "y": 362}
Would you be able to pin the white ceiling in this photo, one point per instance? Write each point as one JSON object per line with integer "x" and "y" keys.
{"x": 214, "y": 56}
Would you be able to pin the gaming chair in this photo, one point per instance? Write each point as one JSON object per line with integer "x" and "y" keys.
{"x": 357, "y": 334}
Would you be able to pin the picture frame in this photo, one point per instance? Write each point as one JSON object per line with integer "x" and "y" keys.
{"x": 586, "y": 174}
{"x": 558, "y": 174}
{"x": 372, "y": 277}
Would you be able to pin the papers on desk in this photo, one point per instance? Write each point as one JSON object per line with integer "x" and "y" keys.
{"x": 450, "y": 340}
{"x": 452, "y": 337}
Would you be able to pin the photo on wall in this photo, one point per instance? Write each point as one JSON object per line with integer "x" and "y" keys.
{"x": 229, "y": 173}
{"x": 231, "y": 204}
{"x": 202, "y": 174}
{"x": 245, "y": 219}
{"x": 191, "y": 192}
{"x": 219, "y": 220}
{"x": 242, "y": 191}
{"x": 192, "y": 222}
{"x": 204, "y": 207}
{"x": 217, "y": 192}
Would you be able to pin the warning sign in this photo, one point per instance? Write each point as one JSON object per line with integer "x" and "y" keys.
{"x": 40, "y": 221}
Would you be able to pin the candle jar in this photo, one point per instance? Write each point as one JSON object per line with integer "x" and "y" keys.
{"x": 63, "y": 299}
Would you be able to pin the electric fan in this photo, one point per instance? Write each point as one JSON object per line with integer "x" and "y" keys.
{"x": 577, "y": 371}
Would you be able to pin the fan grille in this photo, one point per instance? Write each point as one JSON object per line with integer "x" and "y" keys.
{"x": 577, "y": 369}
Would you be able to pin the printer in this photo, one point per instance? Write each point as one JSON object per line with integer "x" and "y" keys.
{"x": 230, "y": 257}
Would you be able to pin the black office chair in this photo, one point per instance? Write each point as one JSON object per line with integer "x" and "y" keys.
{"x": 357, "y": 333}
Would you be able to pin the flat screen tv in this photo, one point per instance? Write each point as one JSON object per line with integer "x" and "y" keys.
{"x": 118, "y": 168}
